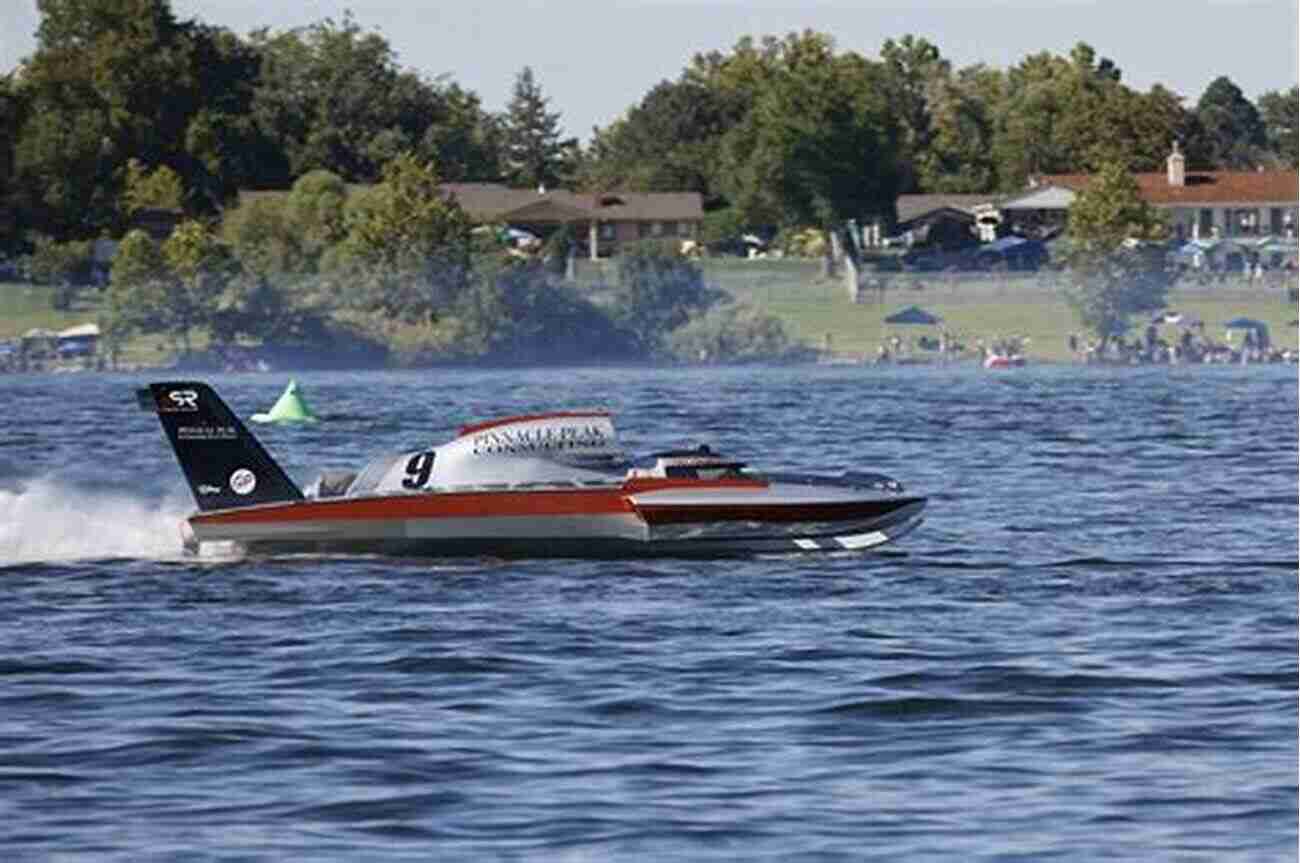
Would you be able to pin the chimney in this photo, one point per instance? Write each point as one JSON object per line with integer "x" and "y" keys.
{"x": 1176, "y": 166}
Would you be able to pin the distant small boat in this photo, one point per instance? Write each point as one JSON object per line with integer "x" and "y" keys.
{"x": 1000, "y": 361}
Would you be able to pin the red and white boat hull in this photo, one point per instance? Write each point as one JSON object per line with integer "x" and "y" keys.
{"x": 579, "y": 522}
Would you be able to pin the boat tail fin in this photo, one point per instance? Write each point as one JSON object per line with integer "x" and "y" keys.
{"x": 224, "y": 464}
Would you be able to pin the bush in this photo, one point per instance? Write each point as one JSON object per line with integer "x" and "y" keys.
{"x": 658, "y": 291}
{"x": 522, "y": 313}
{"x": 733, "y": 333}
{"x": 54, "y": 263}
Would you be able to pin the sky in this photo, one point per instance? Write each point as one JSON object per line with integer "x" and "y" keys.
{"x": 596, "y": 58}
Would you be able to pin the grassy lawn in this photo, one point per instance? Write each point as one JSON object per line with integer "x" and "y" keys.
{"x": 24, "y": 306}
{"x": 813, "y": 308}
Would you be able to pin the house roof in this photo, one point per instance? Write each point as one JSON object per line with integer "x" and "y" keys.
{"x": 495, "y": 202}
{"x": 1203, "y": 187}
{"x": 1053, "y": 196}
{"x": 914, "y": 206}
{"x": 929, "y": 217}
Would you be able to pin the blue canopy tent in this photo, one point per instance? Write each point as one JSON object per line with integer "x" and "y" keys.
{"x": 1245, "y": 324}
{"x": 913, "y": 315}
{"x": 1215, "y": 253}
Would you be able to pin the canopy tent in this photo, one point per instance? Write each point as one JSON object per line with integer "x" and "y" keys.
{"x": 1182, "y": 319}
{"x": 1207, "y": 250}
{"x": 1276, "y": 244}
{"x": 80, "y": 331}
{"x": 913, "y": 315}
{"x": 1245, "y": 324}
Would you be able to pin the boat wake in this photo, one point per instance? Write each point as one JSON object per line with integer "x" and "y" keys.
{"x": 47, "y": 520}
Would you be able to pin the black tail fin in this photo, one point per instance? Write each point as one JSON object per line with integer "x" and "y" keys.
{"x": 225, "y": 465}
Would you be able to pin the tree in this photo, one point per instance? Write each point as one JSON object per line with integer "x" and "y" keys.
{"x": 160, "y": 188}
{"x": 658, "y": 291}
{"x": 912, "y": 69}
{"x": 1278, "y": 111}
{"x": 462, "y": 139}
{"x": 263, "y": 238}
{"x": 1114, "y": 277}
{"x": 1231, "y": 133}
{"x": 820, "y": 145}
{"x": 521, "y": 312}
{"x": 1060, "y": 115}
{"x": 63, "y": 265}
{"x": 113, "y": 80}
{"x": 332, "y": 97}
{"x": 268, "y": 310}
{"x": 138, "y": 288}
{"x": 731, "y": 333}
{"x": 12, "y": 116}
{"x": 535, "y": 154}
{"x": 315, "y": 210}
{"x": 959, "y": 158}
{"x": 669, "y": 142}
{"x": 406, "y": 253}
{"x": 200, "y": 267}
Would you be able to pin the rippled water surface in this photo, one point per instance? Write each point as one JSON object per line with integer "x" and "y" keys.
{"x": 1088, "y": 651}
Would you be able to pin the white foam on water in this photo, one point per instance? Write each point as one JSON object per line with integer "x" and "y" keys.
{"x": 50, "y": 521}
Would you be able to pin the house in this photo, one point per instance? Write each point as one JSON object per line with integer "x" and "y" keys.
{"x": 948, "y": 221}
{"x": 1198, "y": 204}
{"x": 601, "y": 222}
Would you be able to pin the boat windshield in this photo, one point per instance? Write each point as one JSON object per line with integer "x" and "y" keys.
{"x": 373, "y": 474}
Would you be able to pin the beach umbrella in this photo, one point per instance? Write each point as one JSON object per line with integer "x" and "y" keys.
{"x": 913, "y": 315}
{"x": 1245, "y": 324}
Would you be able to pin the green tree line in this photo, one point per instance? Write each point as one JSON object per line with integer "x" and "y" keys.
{"x": 401, "y": 266}
{"x": 123, "y": 107}
{"x": 776, "y": 129}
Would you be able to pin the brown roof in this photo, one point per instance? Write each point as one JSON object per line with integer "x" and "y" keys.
{"x": 492, "y": 201}
{"x": 1203, "y": 187}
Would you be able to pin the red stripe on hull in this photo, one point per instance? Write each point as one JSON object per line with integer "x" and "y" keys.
{"x": 439, "y": 505}
{"x": 599, "y": 501}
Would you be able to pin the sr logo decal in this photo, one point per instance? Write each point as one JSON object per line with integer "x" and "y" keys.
{"x": 242, "y": 481}
{"x": 186, "y": 400}
{"x": 179, "y": 401}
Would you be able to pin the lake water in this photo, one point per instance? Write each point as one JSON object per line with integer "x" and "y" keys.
{"x": 1089, "y": 650}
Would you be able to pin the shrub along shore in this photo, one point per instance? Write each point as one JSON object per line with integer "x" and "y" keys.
{"x": 816, "y": 312}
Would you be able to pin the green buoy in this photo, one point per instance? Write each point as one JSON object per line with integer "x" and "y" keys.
{"x": 289, "y": 408}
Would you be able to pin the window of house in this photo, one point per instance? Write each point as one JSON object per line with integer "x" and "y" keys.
{"x": 1275, "y": 225}
{"x": 657, "y": 229}
{"x": 684, "y": 229}
{"x": 644, "y": 228}
{"x": 607, "y": 230}
{"x": 1207, "y": 222}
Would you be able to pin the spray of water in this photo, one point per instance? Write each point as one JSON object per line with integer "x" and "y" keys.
{"x": 50, "y": 521}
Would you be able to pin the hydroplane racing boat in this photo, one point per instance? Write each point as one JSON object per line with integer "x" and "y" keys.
{"x": 541, "y": 485}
